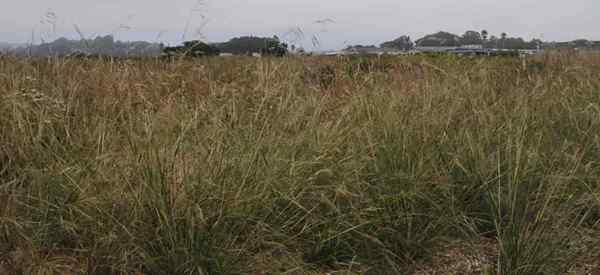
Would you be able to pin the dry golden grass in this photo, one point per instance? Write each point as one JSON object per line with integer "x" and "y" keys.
{"x": 298, "y": 165}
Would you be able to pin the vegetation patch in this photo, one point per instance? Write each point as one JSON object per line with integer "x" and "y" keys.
{"x": 300, "y": 165}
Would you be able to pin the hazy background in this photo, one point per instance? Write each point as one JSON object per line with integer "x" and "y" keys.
{"x": 335, "y": 22}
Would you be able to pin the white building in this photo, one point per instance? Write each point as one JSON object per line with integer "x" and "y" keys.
{"x": 434, "y": 49}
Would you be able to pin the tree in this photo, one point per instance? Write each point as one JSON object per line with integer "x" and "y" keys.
{"x": 98, "y": 46}
{"x": 484, "y": 35}
{"x": 503, "y": 37}
{"x": 275, "y": 47}
{"x": 193, "y": 48}
{"x": 511, "y": 43}
{"x": 440, "y": 39}
{"x": 102, "y": 45}
{"x": 535, "y": 44}
{"x": 247, "y": 45}
{"x": 581, "y": 43}
{"x": 401, "y": 43}
{"x": 491, "y": 42}
{"x": 361, "y": 49}
{"x": 471, "y": 38}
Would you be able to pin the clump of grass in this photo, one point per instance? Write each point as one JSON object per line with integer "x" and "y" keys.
{"x": 296, "y": 165}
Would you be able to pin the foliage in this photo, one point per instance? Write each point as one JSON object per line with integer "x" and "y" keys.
{"x": 100, "y": 46}
{"x": 401, "y": 43}
{"x": 471, "y": 38}
{"x": 484, "y": 34}
{"x": 511, "y": 43}
{"x": 193, "y": 48}
{"x": 246, "y": 45}
{"x": 444, "y": 39}
{"x": 575, "y": 44}
{"x": 475, "y": 38}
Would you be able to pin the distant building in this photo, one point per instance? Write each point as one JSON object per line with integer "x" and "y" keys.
{"x": 472, "y": 46}
{"x": 523, "y": 53}
{"x": 392, "y": 51}
{"x": 334, "y": 53}
{"x": 469, "y": 51}
{"x": 363, "y": 50}
{"x": 370, "y": 50}
{"x": 434, "y": 49}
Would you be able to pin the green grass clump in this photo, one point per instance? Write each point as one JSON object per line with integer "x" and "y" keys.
{"x": 299, "y": 165}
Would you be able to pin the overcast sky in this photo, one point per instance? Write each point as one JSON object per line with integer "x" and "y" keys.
{"x": 334, "y": 22}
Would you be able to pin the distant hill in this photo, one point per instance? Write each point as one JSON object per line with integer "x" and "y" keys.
{"x": 5, "y": 46}
{"x": 101, "y": 45}
{"x": 251, "y": 44}
{"x": 401, "y": 43}
{"x": 439, "y": 39}
{"x": 246, "y": 45}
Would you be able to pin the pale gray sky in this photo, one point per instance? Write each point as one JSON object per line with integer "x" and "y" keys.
{"x": 353, "y": 22}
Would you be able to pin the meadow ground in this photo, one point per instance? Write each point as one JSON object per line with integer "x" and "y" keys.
{"x": 312, "y": 165}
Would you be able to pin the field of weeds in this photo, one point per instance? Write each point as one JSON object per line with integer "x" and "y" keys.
{"x": 312, "y": 165}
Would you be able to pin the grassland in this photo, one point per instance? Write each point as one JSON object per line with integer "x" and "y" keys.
{"x": 313, "y": 165}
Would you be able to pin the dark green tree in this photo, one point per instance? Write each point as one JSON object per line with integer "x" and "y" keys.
{"x": 275, "y": 47}
{"x": 581, "y": 43}
{"x": 535, "y": 44}
{"x": 503, "y": 37}
{"x": 247, "y": 45}
{"x": 401, "y": 43}
{"x": 439, "y": 39}
{"x": 193, "y": 48}
{"x": 471, "y": 38}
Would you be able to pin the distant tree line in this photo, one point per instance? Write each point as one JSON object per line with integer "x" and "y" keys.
{"x": 193, "y": 48}
{"x": 99, "y": 46}
{"x": 108, "y": 46}
{"x": 7, "y": 47}
{"x": 248, "y": 45}
{"x": 245, "y": 45}
{"x": 361, "y": 48}
{"x": 251, "y": 44}
{"x": 480, "y": 38}
{"x": 401, "y": 43}
{"x": 575, "y": 44}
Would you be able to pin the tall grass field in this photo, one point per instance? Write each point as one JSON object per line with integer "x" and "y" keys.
{"x": 300, "y": 165}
